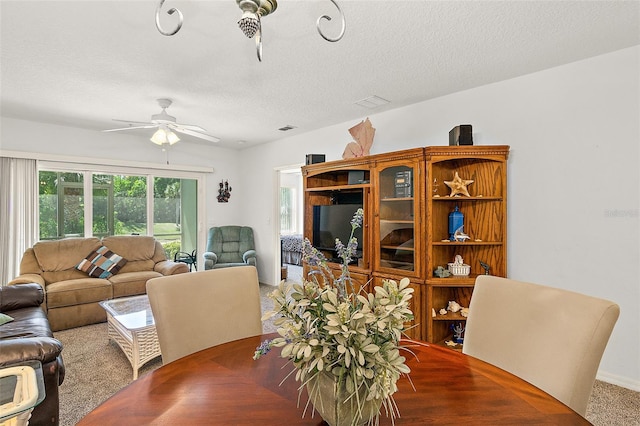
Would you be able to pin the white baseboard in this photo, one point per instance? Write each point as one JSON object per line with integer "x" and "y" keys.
{"x": 614, "y": 379}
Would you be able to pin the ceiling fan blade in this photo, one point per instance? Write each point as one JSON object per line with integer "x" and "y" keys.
{"x": 191, "y": 127}
{"x": 148, "y": 126}
{"x": 165, "y": 121}
{"x": 197, "y": 134}
{"x": 132, "y": 122}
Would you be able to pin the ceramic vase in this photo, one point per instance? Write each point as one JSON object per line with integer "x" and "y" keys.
{"x": 332, "y": 401}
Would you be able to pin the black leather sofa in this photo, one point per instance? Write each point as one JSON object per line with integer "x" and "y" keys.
{"x": 29, "y": 337}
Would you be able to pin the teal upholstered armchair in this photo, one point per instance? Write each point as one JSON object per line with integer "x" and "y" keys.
{"x": 229, "y": 246}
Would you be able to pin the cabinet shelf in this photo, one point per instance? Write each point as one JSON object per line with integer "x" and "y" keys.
{"x": 403, "y": 221}
{"x": 456, "y": 199}
{"x": 338, "y": 187}
{"x": 457, "y": 347}
{"x": 449, "y": 316}
{"x": 395, "y": 264}
{"x": 453, "y": 281}
{"x": 392, "y": 199}
{"x": 396, "y": 247}
{"x": 467, "y": 243}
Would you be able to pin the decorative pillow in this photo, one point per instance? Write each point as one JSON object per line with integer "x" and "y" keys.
{"x": 5, "y": 319}
{"x": 102, "y": 263}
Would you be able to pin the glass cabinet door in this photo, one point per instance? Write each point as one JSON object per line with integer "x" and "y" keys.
{"x": 396, "y": 217}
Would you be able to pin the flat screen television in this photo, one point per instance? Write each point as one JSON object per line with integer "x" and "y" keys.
{"x": 334, "y": 221}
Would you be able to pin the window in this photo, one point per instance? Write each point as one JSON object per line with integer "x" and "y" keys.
{"x": 175, "y": 214}
{"x": 291, "y": 210}
{"x": 87, "y": 203}
{"x": 119, "y": 205}
{"x": 287, "y": 219}
{"x": 61, "y": 205}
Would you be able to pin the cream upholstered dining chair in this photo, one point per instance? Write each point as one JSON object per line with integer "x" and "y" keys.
{"x": 197, "y": 310}
{"x": 552, "y": 338}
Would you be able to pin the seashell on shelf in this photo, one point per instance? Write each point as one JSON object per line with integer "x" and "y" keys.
{"x": 454, "y": 306}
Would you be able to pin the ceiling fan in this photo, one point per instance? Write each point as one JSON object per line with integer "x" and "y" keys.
{"x": 166, "y": 125}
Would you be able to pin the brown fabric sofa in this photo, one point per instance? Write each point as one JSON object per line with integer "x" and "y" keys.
{"x": 71, "y": 296}
{"x": 29, "y": 338}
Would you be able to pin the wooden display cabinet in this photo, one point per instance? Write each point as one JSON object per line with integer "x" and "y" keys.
{"x": 329, "y": 183}
{"x": 438, "y": 295}
{"x": 405, "y": 229}
{"x": 398, "y": 199}
{"x": 485, "y": 222}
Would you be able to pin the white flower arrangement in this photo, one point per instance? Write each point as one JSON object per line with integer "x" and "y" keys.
{"x": 326, "y": 327}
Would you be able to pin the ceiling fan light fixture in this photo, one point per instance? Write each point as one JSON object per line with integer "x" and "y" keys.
{"x": 165, "y": 125}
{"x": 172, "y": 137}
{"x": 249, "y": 24}
{"x": 164, "y": 136}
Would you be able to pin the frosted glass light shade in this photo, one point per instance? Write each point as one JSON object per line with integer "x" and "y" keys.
{"x": 164, "y": 136}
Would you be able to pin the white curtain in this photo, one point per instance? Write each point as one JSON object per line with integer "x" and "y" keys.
{"x": 19, "y": 217}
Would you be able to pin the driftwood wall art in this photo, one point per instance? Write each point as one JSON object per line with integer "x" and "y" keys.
{"x": 363, "y": 133}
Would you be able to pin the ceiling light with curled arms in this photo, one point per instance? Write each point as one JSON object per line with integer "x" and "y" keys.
{"x": 251, "y": 21}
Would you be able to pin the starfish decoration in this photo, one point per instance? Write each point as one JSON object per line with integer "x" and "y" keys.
{"x": 458, "y": 186}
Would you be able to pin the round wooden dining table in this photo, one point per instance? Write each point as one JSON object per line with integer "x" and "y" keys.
{"x": 223, "y": 385}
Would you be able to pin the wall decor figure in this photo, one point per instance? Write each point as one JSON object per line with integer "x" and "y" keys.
{"x": 224, "y": 192}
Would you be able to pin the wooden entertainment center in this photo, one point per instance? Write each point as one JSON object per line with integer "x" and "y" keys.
{"x": 406, "y": 222}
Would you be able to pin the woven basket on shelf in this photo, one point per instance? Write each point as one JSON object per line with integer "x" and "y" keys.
{"x": 459, "y": 270}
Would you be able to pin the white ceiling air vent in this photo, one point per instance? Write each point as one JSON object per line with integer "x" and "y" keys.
{"x": 287, "y": 127}
{"x": 372, "y": 102}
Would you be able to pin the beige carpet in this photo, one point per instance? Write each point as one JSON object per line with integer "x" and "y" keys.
{"x": 97, "y": 368}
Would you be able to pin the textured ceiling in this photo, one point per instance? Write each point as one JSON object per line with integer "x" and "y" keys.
{"x": 84, "y": 63}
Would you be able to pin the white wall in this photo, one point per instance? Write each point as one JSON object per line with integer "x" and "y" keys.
{"x": 574, "y": 185}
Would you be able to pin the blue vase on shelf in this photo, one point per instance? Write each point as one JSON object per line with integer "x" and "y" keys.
{"x": 456, "y": 222}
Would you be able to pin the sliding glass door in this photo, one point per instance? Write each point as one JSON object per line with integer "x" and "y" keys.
{"x": 78, "y": 204}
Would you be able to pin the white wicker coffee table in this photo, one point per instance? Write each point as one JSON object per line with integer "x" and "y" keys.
{"x": 131, "y": 326}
